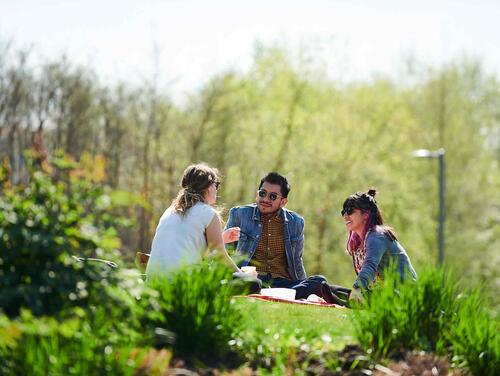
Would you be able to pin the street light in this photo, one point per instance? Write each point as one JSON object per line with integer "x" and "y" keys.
{"x": 439, "y": 154}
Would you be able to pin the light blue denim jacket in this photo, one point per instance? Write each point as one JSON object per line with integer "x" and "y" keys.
{"x": 247, "y": 217}
{"x": 381, "y": 252}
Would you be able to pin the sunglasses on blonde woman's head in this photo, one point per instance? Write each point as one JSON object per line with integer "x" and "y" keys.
{"x": 273, "y": 196}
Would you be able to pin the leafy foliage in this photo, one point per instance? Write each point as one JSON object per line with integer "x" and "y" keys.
{"x": 434, "y": 315}
{"x": 475, "y": 335}
{"x": 198, "y": 307}
{"x": 402, "y": 316}
{"x": 43, "y": 225}
{"x": 80, "y": 344}
{"x": 88, "y": 315}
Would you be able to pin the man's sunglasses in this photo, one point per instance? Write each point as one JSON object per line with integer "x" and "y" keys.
{"x": 349, "y": 210}
{"x": 273, "y": 196}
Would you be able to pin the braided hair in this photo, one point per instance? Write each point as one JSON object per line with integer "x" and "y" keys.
{"x": 195, "y": 180}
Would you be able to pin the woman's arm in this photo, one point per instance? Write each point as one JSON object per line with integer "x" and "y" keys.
{"x": 215, "y": 240}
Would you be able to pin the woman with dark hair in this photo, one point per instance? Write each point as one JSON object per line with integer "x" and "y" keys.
{"x": 190, "y": 225}
{"x": 372, "y": 245}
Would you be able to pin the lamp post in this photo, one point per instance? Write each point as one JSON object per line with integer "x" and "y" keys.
{"x": 439, "y": 154}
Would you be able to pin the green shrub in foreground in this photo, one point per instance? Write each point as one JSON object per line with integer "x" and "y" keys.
{"x": 198, "y": 307}
{"x": 475, "y": 335}
{"x": 78, "y": 345}
{"x": 96, "y": 339}
{"x": 43, "y": 224}
{"x": 432, "y": 314}
{"x": 402, "y": 316}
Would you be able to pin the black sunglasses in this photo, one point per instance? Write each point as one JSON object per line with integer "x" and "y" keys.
{"x": 273, "y": 196}
{"x": 349, "y": 210}
{"x": 217, "y": 184}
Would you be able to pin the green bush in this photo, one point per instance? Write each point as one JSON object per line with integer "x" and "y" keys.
{"x": 475, "y": 335}
{"x": 98, "y": 338}
{"x": 197, "y": 306}
{"x": 97, "y": 313}
{"x": 74, "y": 346}
{"x": 431, "y": 315}
{"x": 42, "y": 226}
{"x": 401, "y": 316}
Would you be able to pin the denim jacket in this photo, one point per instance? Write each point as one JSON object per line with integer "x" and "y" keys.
{"x": 381, "y": 252}
{"x": 247, "y": 217}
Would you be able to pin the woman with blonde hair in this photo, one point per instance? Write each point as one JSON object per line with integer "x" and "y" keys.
{"x": 191, "y": 224}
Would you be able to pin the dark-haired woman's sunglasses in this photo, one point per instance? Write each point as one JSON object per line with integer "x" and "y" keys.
{"x": 349, "y": 210}
{"x": 273, "y": 196}
{"x": 217, "y": 184}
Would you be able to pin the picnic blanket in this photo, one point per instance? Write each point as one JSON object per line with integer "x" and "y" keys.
{"x": 280, "y": 300}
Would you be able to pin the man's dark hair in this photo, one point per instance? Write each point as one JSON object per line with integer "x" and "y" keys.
{"x": 275, "y": 178}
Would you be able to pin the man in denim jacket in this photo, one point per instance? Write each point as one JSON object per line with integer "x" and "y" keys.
{"x": 272, "y": 239}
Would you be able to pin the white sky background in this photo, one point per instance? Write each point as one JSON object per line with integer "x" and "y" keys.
{"x": 352, "y": 39}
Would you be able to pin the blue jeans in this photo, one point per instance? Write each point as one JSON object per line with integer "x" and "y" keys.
{"x": 303, "y": 287}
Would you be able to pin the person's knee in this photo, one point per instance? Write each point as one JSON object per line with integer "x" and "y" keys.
{"x": 246, "y": 284}
{"x": 320, "y": 278}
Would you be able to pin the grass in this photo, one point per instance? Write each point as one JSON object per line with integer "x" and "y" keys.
{"x": 308, "y": 321}
{"x": 476, "y": 337}
{"x": 280, "y": 338}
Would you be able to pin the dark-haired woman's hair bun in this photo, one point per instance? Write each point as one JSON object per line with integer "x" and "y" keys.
{"x": 372, "y": 192}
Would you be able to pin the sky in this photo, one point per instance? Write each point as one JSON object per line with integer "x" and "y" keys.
{"x": 196, "y": 39}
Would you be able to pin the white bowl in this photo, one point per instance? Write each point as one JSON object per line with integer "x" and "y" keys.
{"x": 282, "y": 293}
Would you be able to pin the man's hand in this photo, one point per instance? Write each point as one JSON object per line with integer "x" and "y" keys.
{"x": 356, "y": 296}
{"x": 231, "y": 235}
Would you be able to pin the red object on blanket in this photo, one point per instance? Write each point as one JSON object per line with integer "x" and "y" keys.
{"x": 279, "y": 300}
